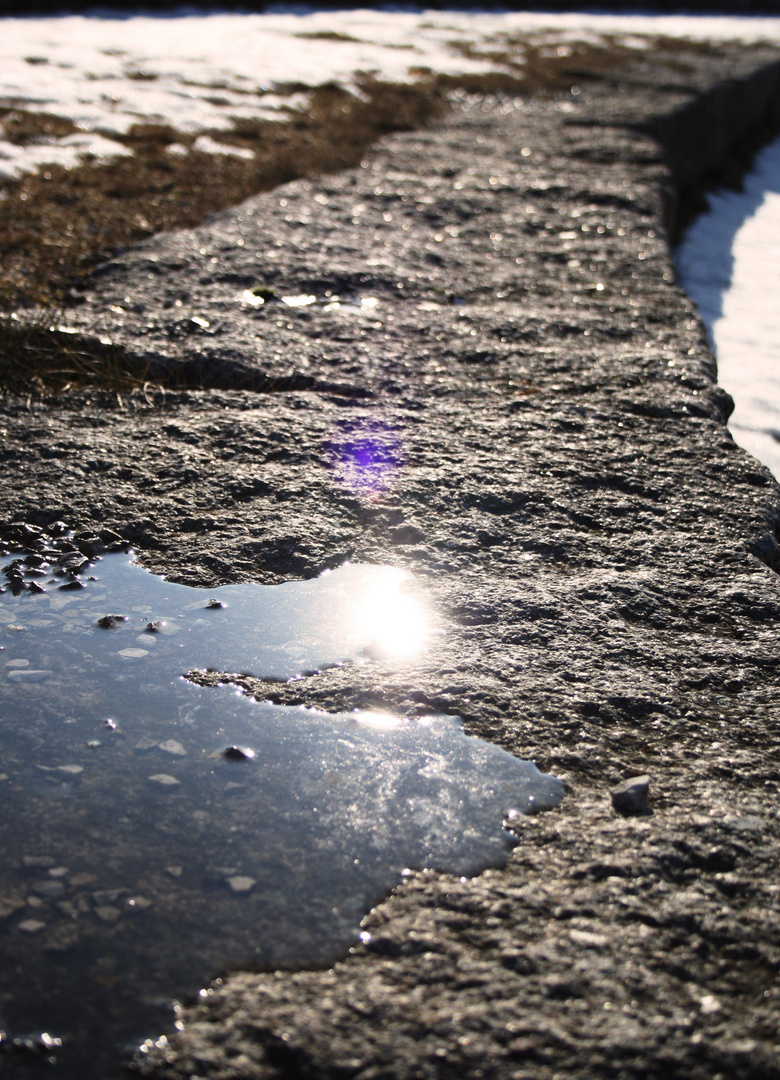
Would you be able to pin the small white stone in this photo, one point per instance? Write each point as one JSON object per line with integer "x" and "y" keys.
{"x": 170, "y": 746}
{"x": 174, "y": 871}
{"x": 709, "y": 1004}
{"x": 630, "y": 796}
{"x": 239, "y": 883}
{"x": 31, "y": 926}
{"x": 74, "y": 770}
{"x": 32, "y": 675}
{"x": 164, "y": 778}
{"x": 133, "y": 654}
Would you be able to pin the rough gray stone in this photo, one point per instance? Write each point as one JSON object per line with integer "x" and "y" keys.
{"x": 630, "y": 796}
{"x": 558, "y": 475}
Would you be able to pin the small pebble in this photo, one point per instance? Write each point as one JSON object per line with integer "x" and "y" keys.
{"x": 630, "y": 796}
{"x": 238, "y": 753}
{"x": 31, "y": 926}
{"x": 73, "y": 561}
{"x": 164, "y": 779}
{"x": 174, "y": 871}
{"x": 214, "y": 604}
{"x": 29, "y": 675}
{"x": 239, "y": 883}
{"x": 170, "y": 746}
{"x": 109, "y": 622}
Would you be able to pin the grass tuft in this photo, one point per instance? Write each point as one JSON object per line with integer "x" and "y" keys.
{"x": 38, "y": 358}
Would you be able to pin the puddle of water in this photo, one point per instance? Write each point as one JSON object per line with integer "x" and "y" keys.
{"x": 139, "y": 860}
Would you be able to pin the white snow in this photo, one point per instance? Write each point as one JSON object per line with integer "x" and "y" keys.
{"x": 729, "y": 263}
{"x": 197, "y": 72}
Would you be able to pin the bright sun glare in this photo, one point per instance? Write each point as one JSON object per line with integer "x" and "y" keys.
{"x": 391, "y": 622}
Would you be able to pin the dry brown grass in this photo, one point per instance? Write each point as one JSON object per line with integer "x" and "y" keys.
{"x": 36, "y": 358}
{"x": 54, "y": 225}
{"x": 40, "y": 357}
{"x": 531, "y": 68}
{"x": 22, "y": 127}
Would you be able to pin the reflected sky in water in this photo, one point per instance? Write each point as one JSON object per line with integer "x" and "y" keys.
{"x": 139, "y": 861}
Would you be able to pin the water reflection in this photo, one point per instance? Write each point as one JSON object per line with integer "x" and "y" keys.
{"x": 156, "y": 833}
{"x": 392, "y": 622}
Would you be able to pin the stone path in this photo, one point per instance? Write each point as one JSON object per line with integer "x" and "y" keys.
{"x": 539, "y": 398}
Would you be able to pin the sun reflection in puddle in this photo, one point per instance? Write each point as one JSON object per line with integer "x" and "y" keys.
{"x": 156, "y": 832}
{"x": 392, "y": 621}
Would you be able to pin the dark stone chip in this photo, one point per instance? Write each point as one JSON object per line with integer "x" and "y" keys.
{"x": 109, "y": 622}
{"x": 238, "y": 753}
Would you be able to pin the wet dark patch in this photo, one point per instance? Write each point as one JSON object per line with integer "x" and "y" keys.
{"x": 157, "y": 833}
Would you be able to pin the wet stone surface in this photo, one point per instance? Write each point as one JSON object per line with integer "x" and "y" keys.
{"x": 527, "y": 418}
